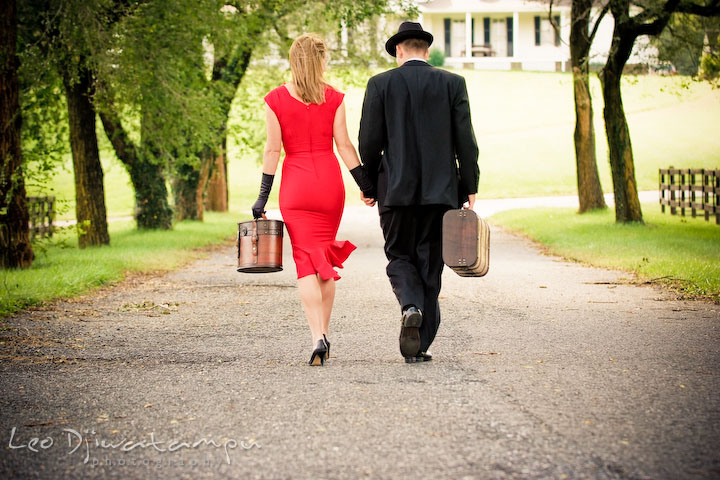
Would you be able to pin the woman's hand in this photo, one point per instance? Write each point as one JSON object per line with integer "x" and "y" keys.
{"x": 370, "y": 202}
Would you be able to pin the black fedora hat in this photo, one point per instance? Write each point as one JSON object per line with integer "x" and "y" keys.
{"x": 405, "y": 31}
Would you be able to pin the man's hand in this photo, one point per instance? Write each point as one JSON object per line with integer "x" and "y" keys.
{"x": 370, "y": 202}
{"x": 470, "y": 203}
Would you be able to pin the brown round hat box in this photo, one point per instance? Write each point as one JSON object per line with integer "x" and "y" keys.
{"x": 260, "y": 246}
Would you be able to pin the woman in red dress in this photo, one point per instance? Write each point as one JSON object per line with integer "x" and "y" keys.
{"x": 304, "y": 117}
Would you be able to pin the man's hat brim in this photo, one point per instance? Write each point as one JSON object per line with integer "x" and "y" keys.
{"x": 391, "y": 44}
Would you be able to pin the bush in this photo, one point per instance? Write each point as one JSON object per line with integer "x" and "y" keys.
{"x": 437, "y": 58}
{"x": 710, "y": 67}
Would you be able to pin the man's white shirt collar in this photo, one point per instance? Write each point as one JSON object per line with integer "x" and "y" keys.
{"x": 418, "y": 59}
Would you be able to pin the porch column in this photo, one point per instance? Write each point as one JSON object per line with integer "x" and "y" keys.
{"x": 343, "y": 39}
{"x": 468, "y": 35}
{"x": 516, "y": 27}
{"x": 564, "y": 47}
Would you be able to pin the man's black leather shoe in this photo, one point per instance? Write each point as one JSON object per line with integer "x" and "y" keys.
{"x": 410, "y": 332}
{"x": 421, "y": 357}
{"x": 424, "y": 357}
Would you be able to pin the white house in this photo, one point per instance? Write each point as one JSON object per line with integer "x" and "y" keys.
{"x": 509, "y": 34}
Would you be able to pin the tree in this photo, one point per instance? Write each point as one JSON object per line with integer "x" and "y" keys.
{"x": 590, "y": 192}
{"x": 688, "y": 39}
{"x": 61, "y": 35}
{"x": 155, "y": 105}
{"x": 651, "y": 19}
{"x": 174, "y": 82}
{"x": 81, "y": 22}
{"x": 241, "y": 33}
{"x": 14, "y": 235}
{"x": 90, "y": 210}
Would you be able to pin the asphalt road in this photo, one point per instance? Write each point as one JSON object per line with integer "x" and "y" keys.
{"x": 542, "y": 369}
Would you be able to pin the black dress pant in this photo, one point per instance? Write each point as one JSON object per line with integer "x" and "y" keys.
{"x": 413, "y": 246}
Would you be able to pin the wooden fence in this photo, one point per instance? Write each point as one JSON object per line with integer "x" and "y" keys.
{"x": 42, "y": 213}
{"x": 691, "y": 189}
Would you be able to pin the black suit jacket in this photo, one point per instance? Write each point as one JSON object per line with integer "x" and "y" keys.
{"x": 416, "y": 138}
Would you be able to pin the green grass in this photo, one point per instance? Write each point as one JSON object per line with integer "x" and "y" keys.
{"x": 61, "y": 269}
{"x": 678, "y": 251}
{"x": 524, "y": 124}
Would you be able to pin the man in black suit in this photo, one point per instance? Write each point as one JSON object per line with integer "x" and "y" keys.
{"x": 419, "y": 149}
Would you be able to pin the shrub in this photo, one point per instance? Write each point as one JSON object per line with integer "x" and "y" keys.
{"x": 437, "y": 58}
{"x": 710, "y": 67}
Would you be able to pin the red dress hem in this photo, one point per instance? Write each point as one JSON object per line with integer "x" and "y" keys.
{"x": 322, "y": 260}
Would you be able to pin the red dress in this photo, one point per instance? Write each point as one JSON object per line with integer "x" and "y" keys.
{"x": 312, "y": 194}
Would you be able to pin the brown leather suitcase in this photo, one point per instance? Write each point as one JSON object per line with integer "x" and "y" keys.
{"x": 260, "y": 246}
{"x": 466, "y": 243}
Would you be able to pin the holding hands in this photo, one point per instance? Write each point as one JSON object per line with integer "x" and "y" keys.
{"x": 370, "y": 202}
{"x": 367, "y": 189}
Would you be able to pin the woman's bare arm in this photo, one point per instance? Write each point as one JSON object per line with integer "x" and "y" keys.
{"x": 273, "y": 145}
{"x": 342, "y": 139}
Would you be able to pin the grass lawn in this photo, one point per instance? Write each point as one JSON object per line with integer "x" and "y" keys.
{"x": 524, "y": 125}
{"x": 680, "y": 252}
{"x": 61, "y": 269}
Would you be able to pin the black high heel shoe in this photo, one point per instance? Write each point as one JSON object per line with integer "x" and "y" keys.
{"x": 318, "y": 355}
{"x": 327, "y": 346}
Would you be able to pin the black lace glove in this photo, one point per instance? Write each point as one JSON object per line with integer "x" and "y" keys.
{"x": 259, "y": 207}
{"x": 363, "y": 181}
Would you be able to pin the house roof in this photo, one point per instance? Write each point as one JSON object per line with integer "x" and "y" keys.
{"x": 478, "y": 6}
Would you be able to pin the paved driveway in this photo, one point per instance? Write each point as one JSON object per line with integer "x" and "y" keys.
{"x": 543, "y": 369}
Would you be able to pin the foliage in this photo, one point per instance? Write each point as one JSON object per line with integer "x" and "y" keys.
{"x": 249, "y": 105}
{"x": 155, "y": 71}
{"x": 346, "y": 78}
{"x": 525, "y": 145}
{"x": 437, "y": 58}
{"x": 681, "y": 43}
{"x": 681, "y": 252}
{"x": 42, "y": 98}
{"x": 61, "y": 270}
{"x": 710, "y": 65}
{"x": 248, "y": 120}
{"x": 348, "y": 68}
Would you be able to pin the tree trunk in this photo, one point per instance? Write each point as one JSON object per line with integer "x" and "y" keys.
{"x": 15, "y": 248}
{"x": 627, "y": 203}
{"x": 228, "y": 72}
{"x": 89, "y": 191}
{"x": 188, "y": 194}
{"x": 189, "y": 189}
{"x": 590, "y": 194}
{"x": 152, "y": 211}
{"x": 216, "y": 199}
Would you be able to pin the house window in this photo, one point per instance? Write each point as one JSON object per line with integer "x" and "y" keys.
{"x": 447, "y": 23}
{"x": 545, "y": 32}
{"x": 486, "y": 30}
{"x": 472, "y": 31}
{"x": 509, "y": 36}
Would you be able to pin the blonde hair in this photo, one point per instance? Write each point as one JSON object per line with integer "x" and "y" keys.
{"x": 307, "y": 63}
